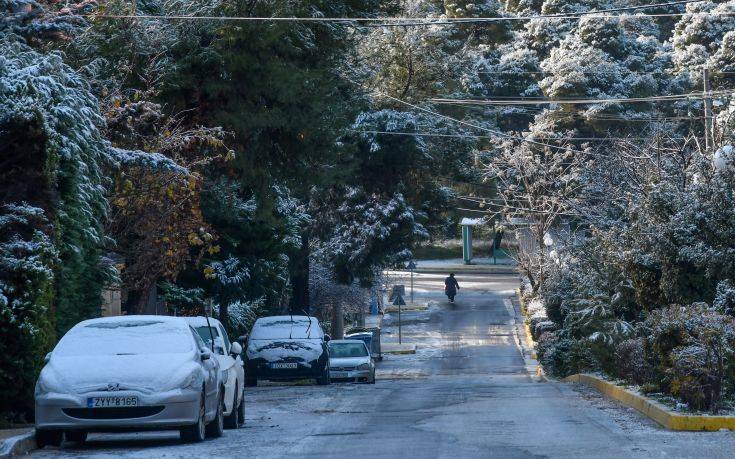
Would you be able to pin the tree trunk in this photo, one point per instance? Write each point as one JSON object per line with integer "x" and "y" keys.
{"x": 146, "y": 300}
{"x": 224, "y": 314}
{"x": 338, "y": 322}
{"x": 299, "y": 268}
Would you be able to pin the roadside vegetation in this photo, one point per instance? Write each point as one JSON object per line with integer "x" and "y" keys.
{"x": 627, "y": 245}
{"x": 264, "y": 166}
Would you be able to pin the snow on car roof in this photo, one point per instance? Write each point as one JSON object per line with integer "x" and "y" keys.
{"x": 346, "y": 341}
{"x": 201, "y": 321}
{"x": 286, "y": 327}
{"x": 110, "y": 322}
{"x": 124, "y": 335}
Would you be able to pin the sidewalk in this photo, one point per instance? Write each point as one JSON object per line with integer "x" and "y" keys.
{"x": 478, "y": 266}
{"x": 16, "y": 442}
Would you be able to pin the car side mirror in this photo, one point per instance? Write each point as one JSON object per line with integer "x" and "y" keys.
{"x": 327, "y": 338}
{"x": 205, "y": 355}
{"x": 235, "y": 349}
{"x": 47, "y": 359}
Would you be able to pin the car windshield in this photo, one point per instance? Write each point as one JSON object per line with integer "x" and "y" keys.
{"x": 343, "y": 350}
{"x": 125, "y": 337}
{"x": 219, "y": 343}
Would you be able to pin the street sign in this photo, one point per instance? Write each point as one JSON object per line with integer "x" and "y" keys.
{"x": 411, "y": 265}
{"x": 398, "y": 300}
{"x": 398, "y": 290}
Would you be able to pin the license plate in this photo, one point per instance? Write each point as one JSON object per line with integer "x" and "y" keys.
{"x": 340, "y": 374}
{"x": 112, "y": 402}
{"x": 284, "y": 366}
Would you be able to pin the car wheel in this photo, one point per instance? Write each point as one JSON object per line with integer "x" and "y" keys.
{"x": 324, "y": 380}
{"x": 232, "y": 420}
{"x": 49, "y": 438}
{"x": 216, "y": 428}
{"x": 76, "y": 436}
{"x": 197, "y": 432}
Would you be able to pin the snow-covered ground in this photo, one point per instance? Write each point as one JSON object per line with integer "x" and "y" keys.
{"x": 465, "y": 393}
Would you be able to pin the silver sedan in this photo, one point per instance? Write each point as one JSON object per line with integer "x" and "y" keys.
{"x": 130, "y": 372}
{"x": 349, "y": 359}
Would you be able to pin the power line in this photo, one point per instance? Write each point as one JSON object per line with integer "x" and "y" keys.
{"x": 482, "y": 128}
{"x": 541, "y": 101}
{"x": 412, "y": 21}
{"x": 469, "y": 136}
{"x": 623, "y": 71}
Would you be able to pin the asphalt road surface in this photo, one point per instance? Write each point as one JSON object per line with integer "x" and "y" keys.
{"x": 465, "y": 393}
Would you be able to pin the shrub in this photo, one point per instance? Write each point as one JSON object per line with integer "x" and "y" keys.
{"x": 27, "y": 257}
{"x": 562, "y": 356}
{"x": 690, "y": 350}
{"x": 533, "y": 324}
{"x": 544, "y": 327}
{"x": 630, "y": 363}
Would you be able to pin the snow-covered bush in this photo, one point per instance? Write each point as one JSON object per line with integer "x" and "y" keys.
{"x": 50, "y": 132}
{"x": 691, "y": 350}
{"x": 630, "y": 363}
{"x": 563, "y": 356}
{"x": 27, "y": 261}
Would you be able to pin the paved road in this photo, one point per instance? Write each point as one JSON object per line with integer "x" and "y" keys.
{"x": 466, "y": 393}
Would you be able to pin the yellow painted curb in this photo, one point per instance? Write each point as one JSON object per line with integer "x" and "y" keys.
{"x": 655, "y": 410}
{"x": 527, "y": 329}
{"x": 400, "y": 351}
{"x": 407, "y": 308}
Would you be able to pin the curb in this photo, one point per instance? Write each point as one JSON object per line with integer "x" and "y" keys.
{"x": 409, "y": 349}
{"x": 655, "y": 410}
{"x": 407, "y": 308}
{"x": 532, "y": 363}
{"x": 18, "y": 445}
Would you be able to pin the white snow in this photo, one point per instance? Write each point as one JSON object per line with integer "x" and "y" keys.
{"x": 472, "y": 221}
{"x": 286, "y": 327}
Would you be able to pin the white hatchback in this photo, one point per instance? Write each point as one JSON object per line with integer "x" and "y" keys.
{"x": 231, "y": 367}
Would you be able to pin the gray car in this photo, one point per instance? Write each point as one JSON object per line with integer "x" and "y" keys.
{"x": 129, "y": 373}
{"x": 349, "y": 360}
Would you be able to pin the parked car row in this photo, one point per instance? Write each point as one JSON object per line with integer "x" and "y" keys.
{"x": 160, "y": 373}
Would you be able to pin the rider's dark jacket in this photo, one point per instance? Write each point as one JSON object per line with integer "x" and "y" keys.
{"x": 450, "y": 285}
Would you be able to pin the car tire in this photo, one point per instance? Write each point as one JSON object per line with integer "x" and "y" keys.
{"x": 49, "y": 438}
{"x": 76, "y": 436}
{"x": 197, "y": 432}
{"x": 324, "y": 380}
{"x": 216, "y": 428}
{"x": 232, "y": 420}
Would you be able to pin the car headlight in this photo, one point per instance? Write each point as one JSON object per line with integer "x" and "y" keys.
{"x": 47, "y": 383}
{"x": 190, "y": 381}
{"x": 363, "y": 366}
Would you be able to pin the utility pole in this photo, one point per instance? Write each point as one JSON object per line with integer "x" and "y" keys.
{"x": 709, "y": 140}
{"x": 412, "y": 267}
{"x": 398, "y": 301}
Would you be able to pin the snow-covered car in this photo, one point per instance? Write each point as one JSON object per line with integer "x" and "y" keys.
{"x": 129, "y": 373}
{"x": 230, "y": 365}
{"x": 349, "y": 360}
{"x": 287, "y": 348}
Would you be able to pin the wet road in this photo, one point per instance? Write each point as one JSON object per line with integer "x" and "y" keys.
{"x": 465, "y": 393}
